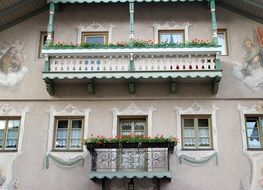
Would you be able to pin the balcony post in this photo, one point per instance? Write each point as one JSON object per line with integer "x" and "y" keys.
{"x": 131, "y": 37}
{"x": 214, "y": 23}
{"x": 50, "y": 27}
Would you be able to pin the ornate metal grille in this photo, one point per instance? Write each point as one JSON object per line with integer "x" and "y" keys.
{"x": 131, "y": 159}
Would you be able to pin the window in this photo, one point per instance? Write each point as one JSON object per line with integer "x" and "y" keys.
{"x": 172, "y": 36}
{"x": 222, "y": 40}
{"x": 254, "y": 130}
{"x": 42, "y": 42}
{"x": 9, "y": 133}
{"x": 196, "y": 132}
{"x": 95, "y": 37}
{"x": 132, "y": 126}
{"x": 69, "y": 134}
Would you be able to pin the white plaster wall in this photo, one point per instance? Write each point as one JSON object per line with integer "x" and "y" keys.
{"x": 233, "y": 166}
{"x": 71, "y": 16}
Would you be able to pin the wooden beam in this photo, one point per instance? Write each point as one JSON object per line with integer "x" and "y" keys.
{"x": 240, "y": 12}
{"x": 215, "y": 85}
{"x": 173, "y": 86}
{"x": 131, "y": 86}
{"x": 254, "y": 3}
{"x": 49, "y": 86}
{"x": 90, "y": 87}
{"x": 14, "y": 7}
{"x": 23, "y": 18}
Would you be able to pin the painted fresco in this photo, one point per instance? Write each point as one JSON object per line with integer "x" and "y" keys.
{"x": 12, "y": 58}
{"x": 251, "y": 70}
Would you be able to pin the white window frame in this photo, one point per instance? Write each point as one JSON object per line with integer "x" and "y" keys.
{"x": 132, "y": 110}
{"x": 255, "y": 156}
{"x": 171, "y": 25}
{"x": 95, "y": 28}
{"x": 7, "y": 158}
{"x": 196, "y": 109}
{"x": 225, "y": 32}
{"x": 68, "y": 111}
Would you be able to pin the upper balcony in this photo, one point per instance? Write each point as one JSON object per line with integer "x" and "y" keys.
{"x": 177, "y": 61}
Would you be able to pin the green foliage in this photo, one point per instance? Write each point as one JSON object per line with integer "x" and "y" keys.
{"x": 130, "y": 139}
{"x": 136, "y": 44}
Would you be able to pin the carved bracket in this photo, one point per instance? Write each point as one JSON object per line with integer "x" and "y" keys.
{"x": 91, "y": 87}
{"x": 49, "y": 86}
{"x": 173, "y": 86}
{"x": 215, "y": 85}
{"x": 131, "y": 86}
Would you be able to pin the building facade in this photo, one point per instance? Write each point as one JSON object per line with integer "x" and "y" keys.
{"x": 189, "y": 69}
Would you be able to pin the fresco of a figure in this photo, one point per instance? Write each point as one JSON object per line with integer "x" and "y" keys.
{"x": 251, "y": 71}
{"x": 12, "y": 58}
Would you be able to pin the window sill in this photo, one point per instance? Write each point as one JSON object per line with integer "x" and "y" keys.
{"x": 81, "y": 150}
{"x": 198, "y": 149}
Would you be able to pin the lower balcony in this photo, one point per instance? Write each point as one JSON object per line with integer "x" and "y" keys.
{"x": 114, "y": 161}
{"x": 179, "y": 65}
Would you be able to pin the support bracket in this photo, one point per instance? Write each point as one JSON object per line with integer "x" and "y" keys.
{"x": 49, "y": 86}
{"x": 173, "y": 86}
{"x": 131, "y": 86}
{"x": 215, "y": 85}
{"x": 90, "y": 87}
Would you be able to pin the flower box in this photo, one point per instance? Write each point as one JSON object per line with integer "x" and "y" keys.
{"x": 169, "y": 145}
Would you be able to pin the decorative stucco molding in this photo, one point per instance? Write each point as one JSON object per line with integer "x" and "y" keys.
{"x": 95, "y": 27}
{"x": 66, "y": 158}
{"x": 7, "y": 158}
{"x": 171, "y": 25}
{"x": 256, "y": 157}
{"x": 132, "y": 109}
{"x": 202, "y": 156}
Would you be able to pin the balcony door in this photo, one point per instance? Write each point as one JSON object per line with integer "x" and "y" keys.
{"x": 132, "y": 159}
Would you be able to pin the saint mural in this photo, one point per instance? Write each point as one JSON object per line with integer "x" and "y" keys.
{"x": 12, "y": 58}
{"x": 251, "y": 71}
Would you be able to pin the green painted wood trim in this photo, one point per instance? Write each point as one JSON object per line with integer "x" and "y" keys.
{"x": 90, "y": 87}
{"x": 214, "y": 22}
{"x": 131, "y": 86}
{"x": 50, "y": 28}
{"x": 49, "y": 86}
{"x": 240, "y": 12}
{"x": 129, "y": 175}
{"x": 23, "y": 18}
{"x": 121, "y": 1}
{"x": 198, "y": 162}
{"x": 62, "y": 162}
{"x": 131, "y": 38}
{"x": 131, "y": 66}
{"x": 218, "y": 63}
{"x": 215, "y": 85}
{"x": 173, "y": 85}
{"x": 46, "y": 66}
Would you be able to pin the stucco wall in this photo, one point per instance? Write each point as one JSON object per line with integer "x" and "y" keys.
{"x": 29, "y": 168}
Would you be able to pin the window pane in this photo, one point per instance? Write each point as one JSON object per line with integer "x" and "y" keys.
{"x": 253, "y": 133}
{"x": 188, "y": 122}
{"x": 62, "y": 134}
{"x": 203, "y": 123}
{"x": 204, "y": 137}
{"x": 172, "y": 37}
{"x": 222, "y": 42}
{"x": 98, "y": 39}
{"x": 126, "y": 126}
{"x": 75, "y": 141}
{"x": 189, "y": 137}
{"x": 12, "y": 134}
{"x": 2, "y": 130}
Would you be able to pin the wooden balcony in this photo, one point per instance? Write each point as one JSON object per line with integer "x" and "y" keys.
{"x": 131, "y": 64}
